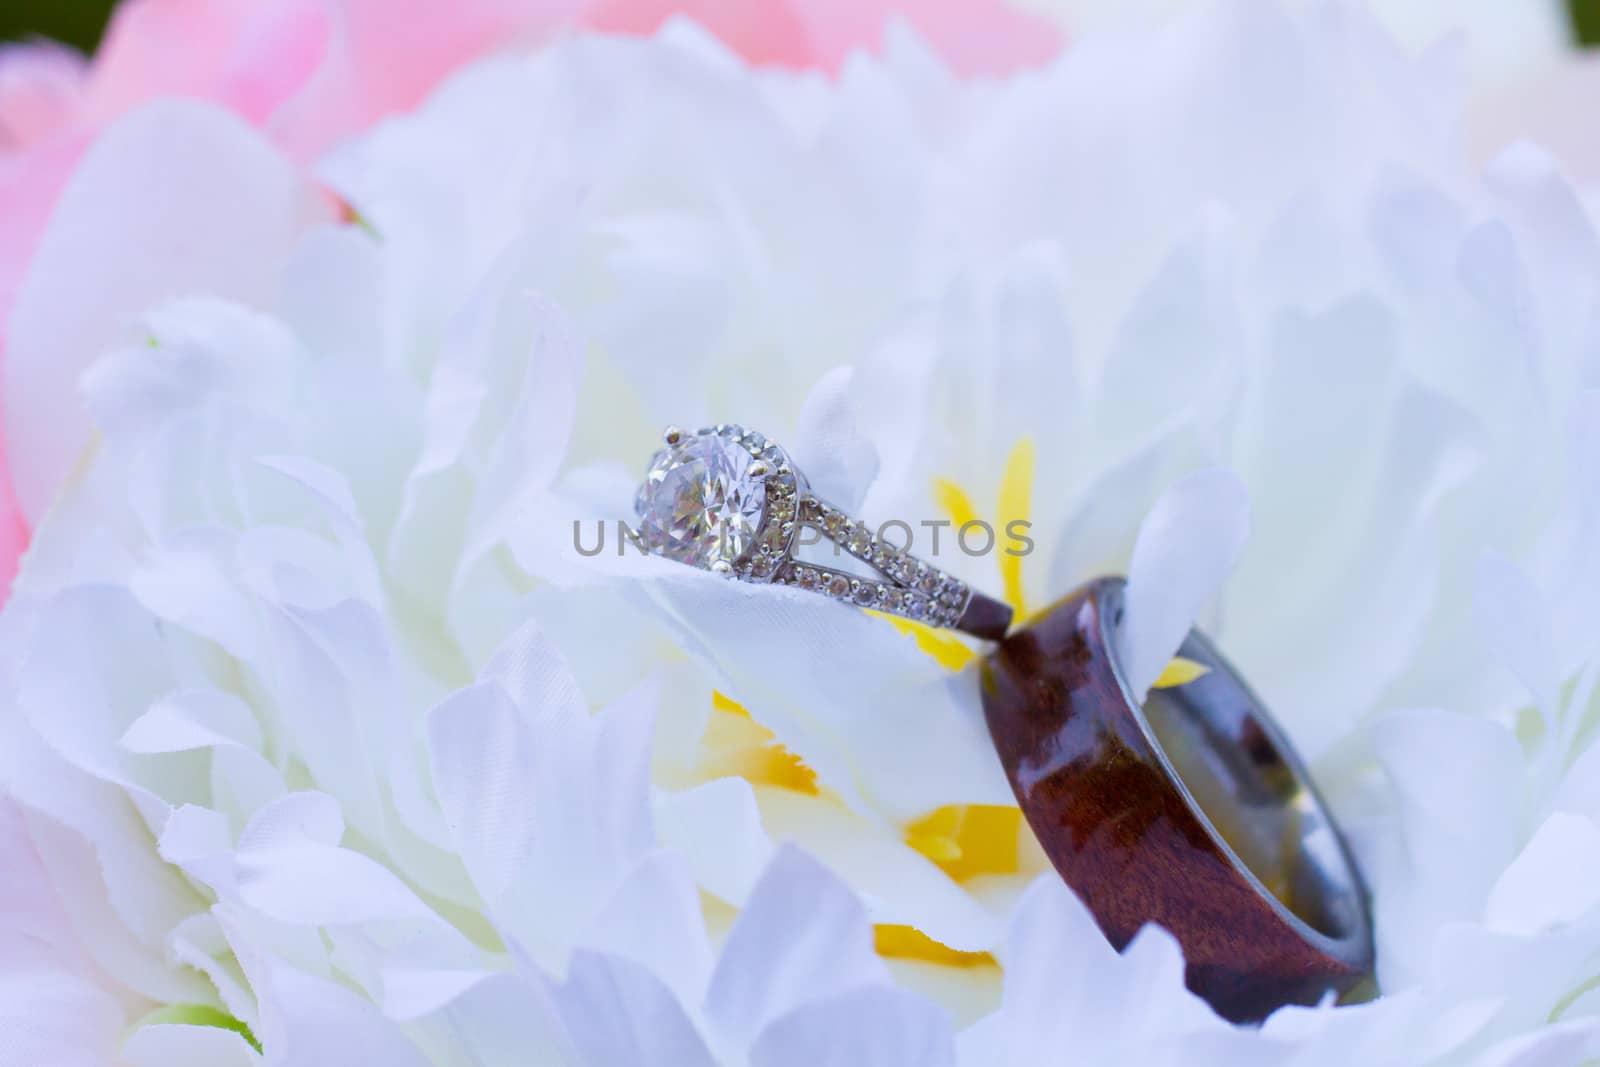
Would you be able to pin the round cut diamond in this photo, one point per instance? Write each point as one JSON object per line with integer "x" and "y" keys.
{"x": 701, "y": 502}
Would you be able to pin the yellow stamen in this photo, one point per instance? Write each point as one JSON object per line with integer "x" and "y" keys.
{"x": 947, "y": 650}
{"x": 955, "y": 501}
{"x": 1180, "y": 672}
{"x": 898, "y": 942}
{"x": 1016, "y": 502}
{"x": 966, "y": 840}
{"x": 735, "y": 745}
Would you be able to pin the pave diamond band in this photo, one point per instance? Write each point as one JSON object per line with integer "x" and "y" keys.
{"x": 728, "y": 500}
{"x": 908, "y": 587}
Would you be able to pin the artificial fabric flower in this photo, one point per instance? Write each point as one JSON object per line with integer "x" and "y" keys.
{"x": 320, "y": 723}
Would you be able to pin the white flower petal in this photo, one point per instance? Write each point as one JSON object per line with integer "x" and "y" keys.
{"x": 880, "y": 1027}
{"x": 308, "y": 1019}
{"x": 854, "y": 697}
{"x": 1514, "y": 627}
{"x": 717, "y": 828}
{"x": 56, "y": 1019}
{"x": 1066, "y": 987}
{"x": 802, "y": 936}
{"x": 189, "y": 719}
{"x": 218, "y": 211}
{"x": 1094, "y": 538}
{"x": 1170, "y": 352}
{"x": 1186, "y": 547}
{"x": 1568, "y": 1041}
{"x": 838, "y": 460}
{"x": 618, "y": 1012}
{"x": 898, "y": 884}
{"x": 178, "y": 1045}
{"x": 292, "y": 869}
{"x": 1555, "y": 880}
{"x": 483, "y": 767}
{"x": 498, "y": 1018}
{"x": 655, "y": 919}
{"x": 530, "y": 783}
{"x": 199, "y": 841}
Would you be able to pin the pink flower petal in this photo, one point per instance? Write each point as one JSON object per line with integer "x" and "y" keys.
{"x": 13, "y": 532}
{"x": 41, "y": 86}
{"x": 1555, "y": 108}
{"x": 163, "y": 48}
{"x": 762, "y": 31}
{"x": 276, "y": 55}
{"x": 384, "y": 56}
{"x": 984, "y": 37}
{"x": 178, "y": 199}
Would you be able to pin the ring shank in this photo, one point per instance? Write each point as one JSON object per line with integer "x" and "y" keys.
{"x": 985, "y": 617}
{"x": 1191, "y": 811}
{"x": 1242, "y": 774}
{"x": 901, "y": 585}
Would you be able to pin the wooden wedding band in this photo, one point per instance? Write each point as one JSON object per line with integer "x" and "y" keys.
{"x": 1192, "y": 812}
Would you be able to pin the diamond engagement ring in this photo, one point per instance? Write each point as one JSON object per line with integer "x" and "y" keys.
{"x": 728, "y": 500}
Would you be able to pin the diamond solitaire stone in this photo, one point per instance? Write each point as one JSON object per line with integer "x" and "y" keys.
{"x": 701, "y": 503}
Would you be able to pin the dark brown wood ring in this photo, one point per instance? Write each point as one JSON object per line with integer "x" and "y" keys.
{"x": 1192, "y": 812}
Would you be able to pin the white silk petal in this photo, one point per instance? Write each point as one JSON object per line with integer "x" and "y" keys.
{"x": 177, "y": 1045}
{"x": 1065, "y": 985}
{"x": 829, "y": 447}
{"x": 717, "y": 828}
{"x": 529, "y": 782}
{"x": 1514, "y": 628}
{"x": 803, "y": 936}
{"x": 1554, "y": 881}
{"x": 899, "y": 885}
{"x": 616, "y": 1011}
{"x": 216, "y": 212}
{"x": 875, "y": 1027}
{"x": 315, "y": 1020}
{"x": 1185, "y": 550}
{"x": 655, "y": 919}
{"x": 292, "y": 869}
{"x": 877, "y": 718}
{"x": 60, "y": 1019}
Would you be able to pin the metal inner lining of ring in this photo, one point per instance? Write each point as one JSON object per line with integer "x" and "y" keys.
{"x": 1240, "y": 773}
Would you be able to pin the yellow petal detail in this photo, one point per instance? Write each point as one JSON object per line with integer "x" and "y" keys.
{"x": 1016, "y": 502}
{"x": 1180, "y": 672}
{"x": 966, "y": 840}
{"x": 955, "y": 502}
{"x": 200, "y": 1015}
{"x": 735, "y": 745}
{"x": 936, "y": 847}
{"x": 898, "y": 942}
{"x": 946, "y": 649}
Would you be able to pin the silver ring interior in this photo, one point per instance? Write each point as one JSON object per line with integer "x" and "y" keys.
{"x": 1241, "y": 775}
